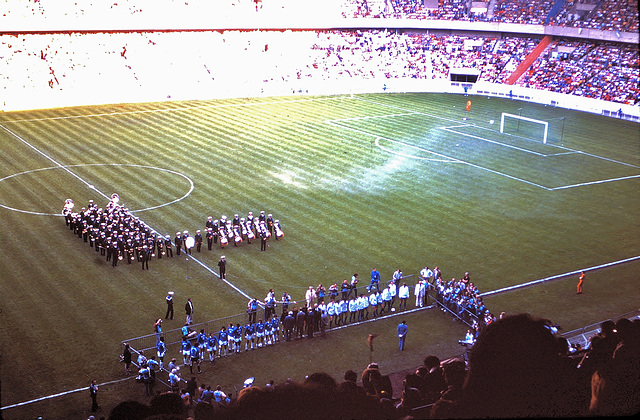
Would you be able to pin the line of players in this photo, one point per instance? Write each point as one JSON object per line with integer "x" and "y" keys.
{"x": 314, "y": 317}
{"x": 119, "y": 235}
{"x": 225, "y": 342}
{"x": 268, "y": 332}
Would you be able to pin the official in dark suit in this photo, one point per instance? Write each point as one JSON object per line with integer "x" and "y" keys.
{"x": 300, "y": 318}
{"x": 289, "y": 323}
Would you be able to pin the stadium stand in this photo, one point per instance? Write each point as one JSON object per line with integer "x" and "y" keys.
{"x": 604, "y": 71}
{"x": 70, "y": 62}
{"x": 518, "y": 358}
{"x": 599, "y": 14}
{"x": 191, "y": 61}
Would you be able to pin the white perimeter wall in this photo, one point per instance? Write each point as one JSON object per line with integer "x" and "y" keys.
{"x": 46, "y": 98}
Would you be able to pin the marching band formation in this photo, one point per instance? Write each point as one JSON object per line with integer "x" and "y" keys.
{"x": 118, "y": 235}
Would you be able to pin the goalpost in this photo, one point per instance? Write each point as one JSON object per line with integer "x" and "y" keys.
{"x": 531, "y": 128}
{"x": 545, "y": 124}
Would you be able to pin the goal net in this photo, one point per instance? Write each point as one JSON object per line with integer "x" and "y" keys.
{"x": 531, "y": 128}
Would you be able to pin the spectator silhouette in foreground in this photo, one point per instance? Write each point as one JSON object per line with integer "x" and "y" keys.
{"x": 615, "y": 385}
{"x": 514, "y": 371}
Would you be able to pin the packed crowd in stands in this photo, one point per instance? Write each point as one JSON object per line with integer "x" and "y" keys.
{"x": 598, "y": 14}
{"x": 518, "y": 367}
{"x": 604, "y": 71}
{"x": 608, "y": 15}
{"x": 603, "y": 14}
{"x": 386, "y": 54}
{"x": 522, "y": 11}
{"x": 70, "y": 62}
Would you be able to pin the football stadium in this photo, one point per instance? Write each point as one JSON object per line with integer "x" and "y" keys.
{"x": 347, "y": 209}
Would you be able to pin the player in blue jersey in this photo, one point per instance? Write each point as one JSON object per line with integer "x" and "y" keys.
{"x": 201, "y": 341}
{"x": 231, "y": 331}
{"x": 259, "y": 333}
{"x": 268, "y": 333}
{"x": 331, "y": 311}
{"x": 195, "y": 358}
{"x": 212, "y": 346}
{"x": 153, "y": 366}
{"x": 343, "y": 308}
{"x": 185, "y": 348}
{"x": 375, "y": 280}
{"x": 161, "y": 349}
{"x": 249, "y": 336}
{"x": 237, "y": 338}
{"x": 174, "y": 379}
{"x": 373, "y": 302}
{"x": 222, "y": 341}
{"x": 275, "y": 328}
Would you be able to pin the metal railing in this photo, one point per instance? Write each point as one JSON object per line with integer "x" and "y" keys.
{"x": 582, "y": 336}
{"x": 174, "y": 336}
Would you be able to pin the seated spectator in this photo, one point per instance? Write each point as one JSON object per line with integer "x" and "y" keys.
{"x": 615, "y": 386}
{"x": 374, "y": 383}
{"x": 434, "y": 381}
{"x": 410, "y": 399}
{"x": 130, "y": 410}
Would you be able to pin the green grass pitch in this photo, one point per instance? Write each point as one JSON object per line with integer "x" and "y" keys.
{"x": 388, "y": 181}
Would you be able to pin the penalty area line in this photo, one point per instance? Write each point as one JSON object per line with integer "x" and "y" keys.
{"x": 602, "y": 181}
{"x": 558, "y": 276}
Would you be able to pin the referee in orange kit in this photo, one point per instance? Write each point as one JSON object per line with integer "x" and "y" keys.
{"x": 580, "y": 282}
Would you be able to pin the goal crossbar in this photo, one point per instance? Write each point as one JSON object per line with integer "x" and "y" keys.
{"x": 519, "y": 117}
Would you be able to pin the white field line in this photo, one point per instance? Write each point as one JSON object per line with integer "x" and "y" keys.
{"x": 408, "y": 110}
{"x": 54, "y": 161}
{"x": 598, "y": 157}
{"x": 101, "y": 164}
{"x": 185, "y": 108}
{"x": 65, "y": 168}
{"x": 449, "y": 159}
{"x": 493, "y": 141}
{"x": 602, "y": 181}
{"x": 377, "y": 138}
{"x": 61, "y": 394}
{"x": 560, "y": 154}
{"x": 371, "y": 117}
{"x": 515, "y": 178}
{"x": 569, "y": 150}
{"x": 557, "y": 276}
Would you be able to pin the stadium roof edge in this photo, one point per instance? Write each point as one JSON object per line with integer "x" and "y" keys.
{"x": 40, "y": 27}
